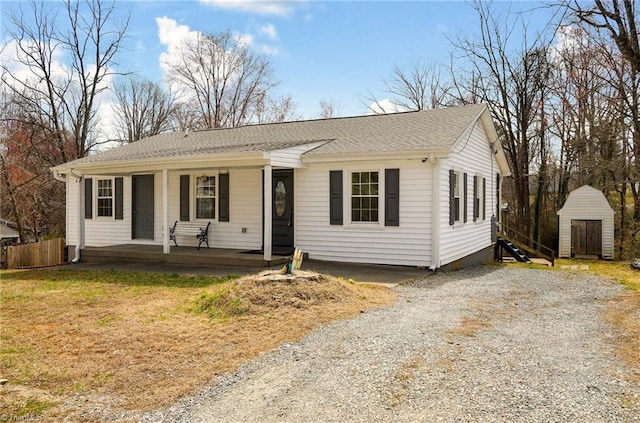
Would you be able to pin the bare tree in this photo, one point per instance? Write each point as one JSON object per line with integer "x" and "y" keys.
{"x": 419, "y": 86}
{"x": 143, "y": 109}
{"x": 513, "y": 86}
{"x": 275, "y": 110}
{"x": 620, "y": 18}
{"x": 222, "y": 79}
{"x": 68, "y": 59}
{"x": 328, "y": 109}
{"x": 30, "y": 196}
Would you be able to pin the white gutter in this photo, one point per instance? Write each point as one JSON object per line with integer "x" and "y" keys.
{"x": 58, "y": 176}
{"x": 435, "y": 207}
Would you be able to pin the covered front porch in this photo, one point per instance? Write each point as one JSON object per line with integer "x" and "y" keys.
{"x": 125, "y": 253}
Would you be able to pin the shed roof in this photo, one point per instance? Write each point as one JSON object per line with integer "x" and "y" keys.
{"x": 427, "y": 130}
{"x": 587, "y": 197}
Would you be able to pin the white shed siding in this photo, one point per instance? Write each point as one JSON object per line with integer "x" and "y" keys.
{"x": 471, "y": 155}
{"x": 407, "y": 244}
{"x": 586, "y": 203}
{"x": 245, "y": 210}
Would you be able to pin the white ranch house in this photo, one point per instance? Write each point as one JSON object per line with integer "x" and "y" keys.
{"x": 415, "y": 189}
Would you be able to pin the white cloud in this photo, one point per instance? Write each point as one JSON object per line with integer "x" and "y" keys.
{"x": 244, "y": 40}
{"x": 269, "y": 30}
{"x": 385, "y": 106}
{"x": 173, "y": 36}
{"x": 279, "y": 8}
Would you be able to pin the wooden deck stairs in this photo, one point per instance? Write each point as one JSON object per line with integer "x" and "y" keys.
{"x": 523, "y": 252}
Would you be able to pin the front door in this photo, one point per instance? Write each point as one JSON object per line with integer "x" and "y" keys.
{"x": 142, "y": 207}
{"x": 282, "y": 224}
{"x": 586, "y": 237}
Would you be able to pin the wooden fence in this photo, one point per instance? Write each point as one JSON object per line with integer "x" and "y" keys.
{"x": 37, "y": 254}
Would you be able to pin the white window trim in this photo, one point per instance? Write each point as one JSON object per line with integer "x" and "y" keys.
{"x": 480, "y": 195}
{"x": 194, "y": 202}
{"x": 96, "y": 198}
{"x": 459, "y": 176}
{"x": 346, "y": 201}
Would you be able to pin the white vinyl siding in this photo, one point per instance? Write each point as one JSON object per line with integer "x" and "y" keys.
{"x": 72, "y": 210}
{"x": 100, "y": 232}
{"x": 408, "y": 244}
{"x": 245, "y": 210}
{"x": 291, "y": 157}
{"x": 472, "y": 155}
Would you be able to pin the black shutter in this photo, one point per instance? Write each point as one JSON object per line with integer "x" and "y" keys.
{"x": 484, "y": 199}
{"x": 392, "y": 197}
{"x": 497, "y": 197}
{"x": 223, "y": 214}
{"x": 476, "y": 212}
{"x": 464, "y": 210}
{"x": 184, "y": 197}
{"x": 88, "y": 198}
{"x": 335, "y": 197}
{"x": 452, "y": 204}
{"x": 119, "y": 197}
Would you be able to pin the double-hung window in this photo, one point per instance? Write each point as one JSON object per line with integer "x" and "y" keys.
{"x": 364, "y": 196}
{"x": 478, "y": 200}
{"x": 105, "y": 197}
{"x": 205, "y": 197}
{"x": 457, "y": 196}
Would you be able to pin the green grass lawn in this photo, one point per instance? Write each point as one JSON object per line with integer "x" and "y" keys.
{"x": 620, "y": 271}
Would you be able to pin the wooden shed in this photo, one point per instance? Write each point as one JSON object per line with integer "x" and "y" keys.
{"x": 586, "y": 227}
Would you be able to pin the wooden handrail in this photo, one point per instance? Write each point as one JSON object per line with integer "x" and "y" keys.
{"x": 525, "y": 246}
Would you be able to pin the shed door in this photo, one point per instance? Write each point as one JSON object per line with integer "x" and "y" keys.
{"x": 586, "y": 237}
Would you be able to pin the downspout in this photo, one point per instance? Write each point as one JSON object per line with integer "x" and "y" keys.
{"x": 80, "y": 214}
{"x": 435, "y": 207}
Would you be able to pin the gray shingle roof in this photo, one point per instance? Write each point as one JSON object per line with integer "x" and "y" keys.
{"x": 423, "y": 130}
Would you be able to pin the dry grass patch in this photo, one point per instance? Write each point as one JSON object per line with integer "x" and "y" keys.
{"x": 470, "y": 325}
{"x": 624, "y": 314}
{"x": 133, "y": 341}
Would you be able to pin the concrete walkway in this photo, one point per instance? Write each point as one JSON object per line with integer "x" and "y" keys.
{"x": 370, "y": 273}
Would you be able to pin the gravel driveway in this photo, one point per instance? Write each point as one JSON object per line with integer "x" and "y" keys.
{"x": 486, "y": 344}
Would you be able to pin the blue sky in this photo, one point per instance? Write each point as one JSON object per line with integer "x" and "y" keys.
{"x": 332, "y": 50}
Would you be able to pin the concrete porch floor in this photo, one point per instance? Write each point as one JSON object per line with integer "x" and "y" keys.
{"x": 139, "y": 253}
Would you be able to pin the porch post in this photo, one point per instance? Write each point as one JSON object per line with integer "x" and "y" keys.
{"x": 267, "y": 212}
{"x": 166, "y": 248}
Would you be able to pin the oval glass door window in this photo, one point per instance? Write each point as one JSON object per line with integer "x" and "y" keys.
{"x": 280, "y": 198}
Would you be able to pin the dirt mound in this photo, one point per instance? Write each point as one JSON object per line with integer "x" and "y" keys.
{"x": 271, "y": 290}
